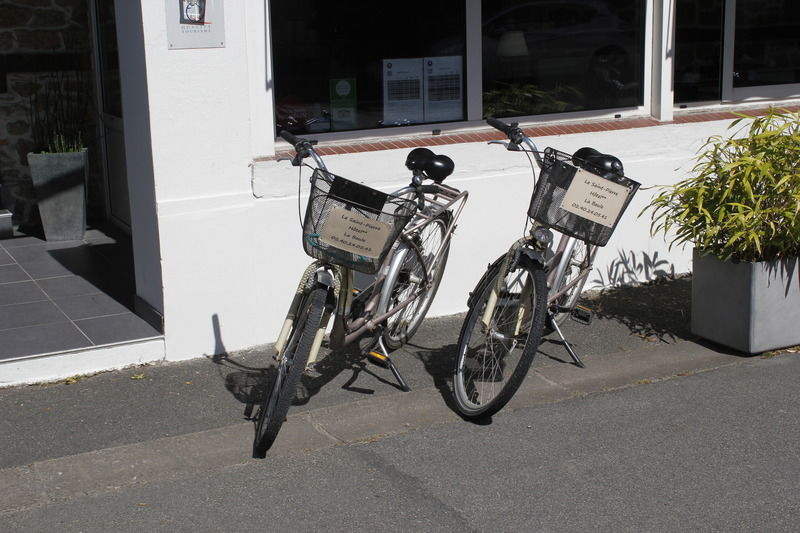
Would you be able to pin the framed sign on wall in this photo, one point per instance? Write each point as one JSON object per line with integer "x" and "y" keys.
{"x": 195, "y": 24}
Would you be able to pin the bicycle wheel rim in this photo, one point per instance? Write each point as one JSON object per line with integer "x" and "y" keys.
{"x": 402, "y": 326}
{"x": 579, "y": 259}
{"x": 494, "y": 356}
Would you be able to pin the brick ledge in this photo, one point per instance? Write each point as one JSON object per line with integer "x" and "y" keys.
{"x": 484, "y": 134}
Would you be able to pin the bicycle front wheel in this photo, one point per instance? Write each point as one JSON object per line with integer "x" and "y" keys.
{"x": 410, "y": 277}
{"x": 291, "y": 366}
{"x": 499, "y": 338}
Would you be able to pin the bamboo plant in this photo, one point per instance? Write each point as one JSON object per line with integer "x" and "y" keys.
{"x": 742, "y": 199}
{"x": 59, "y": 113}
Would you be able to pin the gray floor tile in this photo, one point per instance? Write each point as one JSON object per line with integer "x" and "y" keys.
{"x": 20, "y": 292}
{"x": 90, "y": 306}
{"x": 67, "y": 286}
{"x": 11, "y": 273}
{"x": 29, "y": 314}
{"x": 38, "y": 262}
{"x": 117, "y": 328}
{"x": 36, "y": 340}
{"x": 5, "y": 259}
{"x": 16, "y": 242}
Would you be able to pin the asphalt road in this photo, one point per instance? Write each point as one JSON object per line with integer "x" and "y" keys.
{"x": 717, "y": 450}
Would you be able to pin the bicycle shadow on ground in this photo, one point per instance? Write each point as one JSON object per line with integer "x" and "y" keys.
{"x": 657, "y": 311}
{"x": 439, "y": 363}
{"x": 250, "y": 383}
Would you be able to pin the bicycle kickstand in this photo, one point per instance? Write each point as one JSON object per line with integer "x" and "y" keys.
{"x": 552, "y": 322}
{"x": 380, "y": 359}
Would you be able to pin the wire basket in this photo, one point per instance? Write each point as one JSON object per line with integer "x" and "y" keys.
{"x": 350, "y": 224}
{"x": 575, "y": 200}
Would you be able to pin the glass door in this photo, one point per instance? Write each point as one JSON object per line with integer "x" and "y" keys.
{"x": 110, "y": 105}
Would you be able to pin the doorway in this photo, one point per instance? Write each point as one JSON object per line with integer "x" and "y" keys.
{"x": 110, "y": 106}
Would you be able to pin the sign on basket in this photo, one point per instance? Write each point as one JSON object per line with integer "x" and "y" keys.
{"x": 354, "y": 233}
{"x": 595, "y": 198}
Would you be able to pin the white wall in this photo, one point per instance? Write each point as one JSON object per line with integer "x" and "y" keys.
{"x": 500, "y": 185}
{"x": 228, "y": 234}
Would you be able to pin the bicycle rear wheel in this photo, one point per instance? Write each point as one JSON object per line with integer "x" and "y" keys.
{"x": 408, "y": 279}
{"x": 291, "y": 366}
{"x": 578, "y": 261}
{"x": 499, "y": 338}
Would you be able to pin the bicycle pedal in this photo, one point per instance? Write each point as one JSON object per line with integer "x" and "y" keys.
{"x": 582, "y": 314}
{"x": 379, "y": 359}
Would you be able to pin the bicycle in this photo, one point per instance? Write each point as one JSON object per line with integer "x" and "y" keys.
{"x": 535, "y": 286}
{"x": 402, "y": 238}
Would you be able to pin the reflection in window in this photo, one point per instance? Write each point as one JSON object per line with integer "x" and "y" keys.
{"x": 698, "y": 50}
{"x": 549, "y": 56}
{"x": 766, "y": 43}
{"x": 346, "y": 65}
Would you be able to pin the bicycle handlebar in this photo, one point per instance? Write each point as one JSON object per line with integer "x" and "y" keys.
{"x": 500, "y": 125}
{"x": 289, "y": 137}
{"x": 516, "y": 137}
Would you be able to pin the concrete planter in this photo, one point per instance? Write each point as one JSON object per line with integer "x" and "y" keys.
{"x": 59, "y": 181}
{"x": 752, "y": 307}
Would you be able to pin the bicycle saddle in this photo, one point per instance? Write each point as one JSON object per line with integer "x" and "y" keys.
{"x": 604, "y": 164}
{"x": 436, "y": 167}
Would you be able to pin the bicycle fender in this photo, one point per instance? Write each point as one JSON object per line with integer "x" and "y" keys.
{"x": 530, "y": 257}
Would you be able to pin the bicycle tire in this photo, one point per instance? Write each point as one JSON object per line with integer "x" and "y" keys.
{"x": 562, "y": 307}
{"x": 292, "y": 364}
{"x": 407, "y": 279}
{"x": 493, "y": 360}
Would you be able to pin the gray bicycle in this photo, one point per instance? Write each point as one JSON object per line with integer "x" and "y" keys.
{"x": 535, "y": 286}
{"x": 400, "y": 241}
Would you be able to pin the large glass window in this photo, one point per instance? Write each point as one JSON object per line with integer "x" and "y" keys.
{"x": 698, "y": 50}
{"x": 365, "y": 64}
{"x": 767, "y": 43}
{"x": 549, "y": 56}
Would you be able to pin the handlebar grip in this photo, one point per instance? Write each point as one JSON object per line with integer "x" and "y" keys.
{"x": 289, "y": 137}
{"x": 499, "y": 125}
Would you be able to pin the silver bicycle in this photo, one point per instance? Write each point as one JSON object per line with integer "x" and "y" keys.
{"x": 535, "y": 286}
{"x": 402, "y": 239}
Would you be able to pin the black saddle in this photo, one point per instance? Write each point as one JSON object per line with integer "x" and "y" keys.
{"x": 436, "y": 167}
{"x": 599, "y": 163}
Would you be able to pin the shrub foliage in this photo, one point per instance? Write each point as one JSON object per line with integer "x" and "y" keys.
{"x": 742, "y": 199}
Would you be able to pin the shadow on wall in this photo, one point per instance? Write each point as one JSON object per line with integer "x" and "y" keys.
{"x": 628, "y": 269}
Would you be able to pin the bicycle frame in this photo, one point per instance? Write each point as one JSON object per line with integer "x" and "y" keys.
{"x": 556, "y": 265}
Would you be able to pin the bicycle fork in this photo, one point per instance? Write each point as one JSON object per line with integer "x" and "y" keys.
{"x": 309, "y": 277}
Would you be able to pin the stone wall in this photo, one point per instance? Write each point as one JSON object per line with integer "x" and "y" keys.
{"x": 37, "y": 37}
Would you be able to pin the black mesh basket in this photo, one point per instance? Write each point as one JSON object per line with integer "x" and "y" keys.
{"x": 350, "y": 224}
{"x": 591, "y": 209}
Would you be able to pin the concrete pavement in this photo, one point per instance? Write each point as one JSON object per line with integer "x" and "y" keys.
{"x": 145, "y": 425}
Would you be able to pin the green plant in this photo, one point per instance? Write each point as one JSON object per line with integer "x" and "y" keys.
{"x": 518, "y": 99}
{"x": 742, "y": 201}
{"x": 59, "y": 113}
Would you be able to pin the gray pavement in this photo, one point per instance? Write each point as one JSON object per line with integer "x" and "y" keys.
{"x": 659, "y": 433}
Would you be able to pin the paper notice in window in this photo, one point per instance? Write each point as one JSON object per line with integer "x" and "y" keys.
{"x": 354, "y": 233}
{"x": 594, "y": 198}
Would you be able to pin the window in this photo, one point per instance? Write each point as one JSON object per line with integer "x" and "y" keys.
{"x": 549, "y": 56}
{"x": 359, "y": 65}
{"x": 762, "y": 38}
{"x": 698, "y": 50}
{"x": 766, "y": 43}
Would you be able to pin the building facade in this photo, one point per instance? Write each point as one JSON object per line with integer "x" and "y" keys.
{"x": 206, "y": 86}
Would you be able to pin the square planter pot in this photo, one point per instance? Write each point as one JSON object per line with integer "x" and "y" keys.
{"x": 59, "y": 182}
{"x": 751, "y": 307}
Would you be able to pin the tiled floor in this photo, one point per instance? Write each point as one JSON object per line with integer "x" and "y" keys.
{"x": 57, "y": 297}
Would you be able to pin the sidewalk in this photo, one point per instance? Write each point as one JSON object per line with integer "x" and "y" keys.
{"x": 151, "y": 422}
